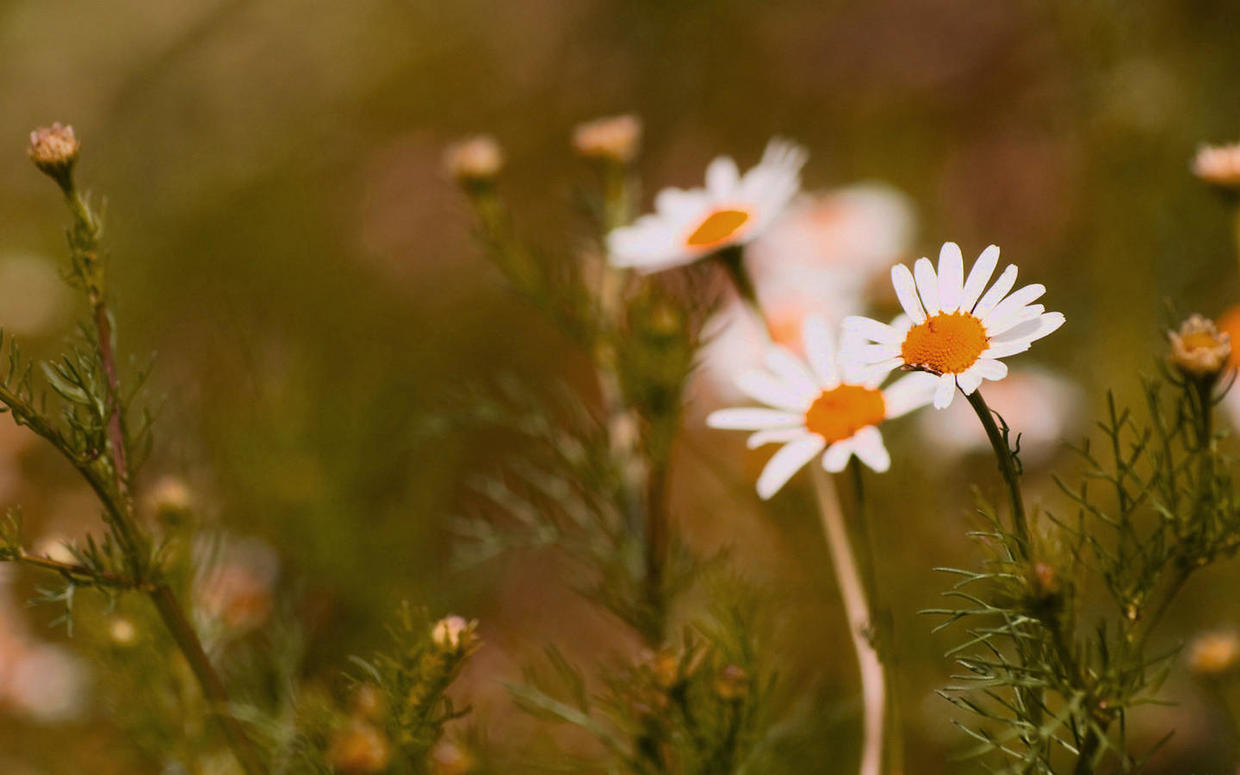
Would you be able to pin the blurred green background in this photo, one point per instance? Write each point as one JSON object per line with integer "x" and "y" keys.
{"x": 283, "y": 237}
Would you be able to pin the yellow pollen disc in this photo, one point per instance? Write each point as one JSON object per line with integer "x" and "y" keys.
{"x": 945, "y": 343}
{"x": 719, "y": 226}
{"x": 1201, "y": 340}
{"x": 840, "y": 412}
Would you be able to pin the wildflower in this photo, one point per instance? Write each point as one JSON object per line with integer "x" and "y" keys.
{"x": 952, "y": 329}
{"x": 821, "y": 405}
{"x": 54, "y": 150}
{"x": 1199, "y": 350}
{"x": 1218, "y": 164}
{"x": 615, "y": 139}
{"x": 731, "y": 210}
{"x": 170, "y": 499}
{"x": 1213, "y": 653}
{"x": 238, "y": 591}
{"x": 474, "y": 159}
{"x": 359, "y": 748}
{"x": 453, "y": 633}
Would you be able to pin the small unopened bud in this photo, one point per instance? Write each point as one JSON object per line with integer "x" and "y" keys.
{"x": 368, "y": 702}
{"x": 453, "y": 633}
{"x": 54, "y": 150}
{"x": 475, "y": 159}
{"x": 616, "y": 138}
{"x": 1218, "y": 165}
{"x": 1045, "y": 579}
{"x": 732, "y": 683}
{"x": 448, "y": 758}
{"x": 1213, "y": 653}
{"x": 122, "y": 631}
{"x": 359, "y": 748}
{"x": 171, "y": 500}
{"x": 1198, "y": 349}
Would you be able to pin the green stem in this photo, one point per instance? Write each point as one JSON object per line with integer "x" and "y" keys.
{"x": 732, "y": 260}
{"x": 1007, "y": 468}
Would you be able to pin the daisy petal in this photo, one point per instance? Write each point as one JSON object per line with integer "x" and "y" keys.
{"x": 906, "y": 292}
{"x": 1013, "y": 303}
{"x": 837, "y": 455}
{"x": 791, "y": 458}
{"x": 997, "y": 326}
{"x": 951, "y": 277}
{"x": 996, "y": 292}
{"x": 989, "y": 368}
{"x": 1005, "y": 349}
{"x": 981, "y": 273}
{"x": 910, "y": 392}
{"x": 792, "y": 370}
{"x": 871, "y": 450}
{"x": 780, "y": 435}
{"x": 820, "y": 351}
{"x": 752, "y": 419}
{"x": 927, "y": 285}
{"x": 873, "y": 330}
{"x": 945, "y": 391}
{"x": 721, "y": 177}
{"x": 761, "y": 386}
{"x": 969, "y": 380}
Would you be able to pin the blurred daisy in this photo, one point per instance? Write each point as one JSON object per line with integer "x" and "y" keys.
{"x": 818, "y": 406}
{"x": 731, "y": 210}
{"x": 952, "y": 329}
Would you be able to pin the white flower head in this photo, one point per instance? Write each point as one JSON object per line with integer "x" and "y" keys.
{"x": 954, "y": 327}
{"x": 731, "y": 210}
{"x": 819, "y": 405}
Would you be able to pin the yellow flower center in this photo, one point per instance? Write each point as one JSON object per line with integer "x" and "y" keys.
{"x": 840, "y": 412}
{"x": 945, "y": 343}
{"x": 720, "y": 226}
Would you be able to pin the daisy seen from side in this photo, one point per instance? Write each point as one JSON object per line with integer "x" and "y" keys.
{"x": 731, "y": 210}
{"x": 954, "y": 328}
{"x": 818, "y": 405}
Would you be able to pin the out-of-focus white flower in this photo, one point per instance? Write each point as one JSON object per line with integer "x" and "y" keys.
{"x": 732, "y": 209}
{"x": 1213, "y": 653}
{"x": 1042, "y": 407}
{"x": 1218, "y": 164}
{"x": 951, "y": 328}
{"x": 48, "y": 683}
{"x": 236, "y": 590}
{"x": 473, "y": 159}
{"x": 819, "y": 406}
{"x": 819, "y": 258}
{"x": 615, "y": 138}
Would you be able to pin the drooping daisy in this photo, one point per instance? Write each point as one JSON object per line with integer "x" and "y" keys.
{"x": 731, "y": 210}
{"x": 952, "y": 329}
{"x": 818, "y": 405}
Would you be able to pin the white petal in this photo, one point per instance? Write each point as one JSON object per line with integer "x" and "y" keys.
{"x": 761, "y": 386}
{"x": 951, "y": 277}
{"x": 1019, "y": 329}
{"x": 820, "y": 351}
{"x": 791, "y": 458}
{"x": 1004, "y": 349}
{"x": 752, "y": 419}
{"x": 1011, "y": 304}
{"x": 780, "y": 435}
{"x": 837, "y": 455}
{"x": 996, "y": 292}
{"x": 870, "y": 449}
{"x": 909, "y": 392}
{"x": 679, "y": 204}
{"x": 969, "y": 380}
{"x": 997, "y": 326}
{"x": 722, "y": 177}
{"x": 990, "y": 369}
{"x": 982, "y": 270}
{"x": 927, "y": 285}
{"x": 861, "y": 372}
{"x": 873, "y": 330}
{"x": 945, "y": 391}
{"x": 792, "y": 370}
{"x": 906, "y": 292}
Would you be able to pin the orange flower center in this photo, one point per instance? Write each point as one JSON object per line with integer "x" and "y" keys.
{"x": 945, "y": 343}
{"x": 719, "y": 226}
{"x": 840, "y": 412}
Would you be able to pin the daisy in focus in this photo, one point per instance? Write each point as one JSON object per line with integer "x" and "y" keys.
{"x": 731, "y": 210}
{"x": 954, "y": 327}
{"x": 818, "y": 405}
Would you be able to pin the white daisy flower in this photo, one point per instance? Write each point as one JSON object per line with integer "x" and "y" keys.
{"x": 952, "y": 329}
{"x": 818, "y": 405}
{"x": 731, "y": 210}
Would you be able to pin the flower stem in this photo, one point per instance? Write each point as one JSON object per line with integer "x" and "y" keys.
{"x": 1007, "y": 467}
{"x": 732, "y": 260}
{"x": 860, "y": 624}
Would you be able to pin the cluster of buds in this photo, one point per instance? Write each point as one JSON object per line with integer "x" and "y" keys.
{"x": 615, "y": 139}
{"x": 54, "y": 150}
{"x": 1199, "y": 350}
{"x": 1218, "y": 165}
{"x": 474, "y": 161}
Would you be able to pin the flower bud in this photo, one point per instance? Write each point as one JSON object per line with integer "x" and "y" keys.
{"x": 453, "y": 633}
{"x": 616, "y": 139}
{"x": 54, "y": 150}
{"x": 170, "y": 500}
{"x": 122, "y": 631}
{"x": 1213, "y": 653}
{"x": 448, "y": 758}
{"x": 359, "y": 748}
{"x": 1218, "y": 165}
{"x": 732, "y": 683}
{"x": 474, "y": 160}
{"x": 1198, "y": 349}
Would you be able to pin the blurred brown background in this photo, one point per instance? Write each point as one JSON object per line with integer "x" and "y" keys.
{"x": 283, "y": 237}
